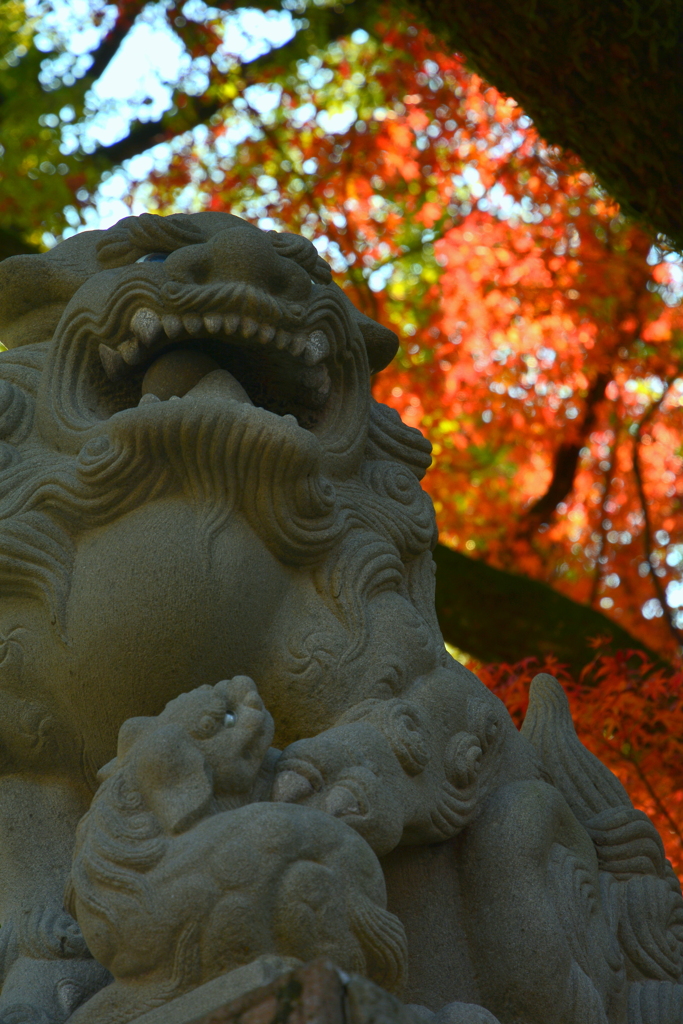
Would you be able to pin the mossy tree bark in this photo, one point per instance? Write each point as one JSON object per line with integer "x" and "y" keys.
{"x": 499, "y": 617}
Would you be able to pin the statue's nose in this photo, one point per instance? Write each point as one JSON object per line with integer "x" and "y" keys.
{"x": 240, "y": 254}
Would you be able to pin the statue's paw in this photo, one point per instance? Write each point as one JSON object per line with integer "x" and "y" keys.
{"x": 21, "y": 1013}
{"x": 51, "y": 932}
{"x": 333, "y": 774}
{"x": 298, "y": 781}
{"x": 48, "y": 991}
{"x": 454, "y": 1013}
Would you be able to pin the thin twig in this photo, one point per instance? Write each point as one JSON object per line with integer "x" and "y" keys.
{"x": 609, "y": 480}
{"x": 658, "y": 803}
{"x": 647, "y": 523}
{"x": 597, "y": 578}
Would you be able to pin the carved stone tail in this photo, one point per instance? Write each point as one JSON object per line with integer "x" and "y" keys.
{"x": 655, "y": 1003}
{"x": 587, "y": 786}
{"x": 640, "y": 893}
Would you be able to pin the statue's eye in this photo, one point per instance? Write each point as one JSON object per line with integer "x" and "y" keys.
{"x": 229, "y": 719}
{"x": 207, "y": 727}
{"x": 153, "y": 257}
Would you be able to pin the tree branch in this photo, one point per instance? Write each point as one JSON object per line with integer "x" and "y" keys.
{"x": 324, "y": 25}
{"x": 567, "y": 459}
{"x": 655, "y": 798}
{"x": 109, "y": 46}
{"x": 500, "y": 617}
{"x": 647, "y": 522}
{"x": 597, "y": 578}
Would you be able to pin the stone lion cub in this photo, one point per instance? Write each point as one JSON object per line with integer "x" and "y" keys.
{"x": 180, "y": 873}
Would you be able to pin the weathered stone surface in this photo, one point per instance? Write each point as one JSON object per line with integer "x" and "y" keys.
{"x": 254, "y": 981}
{"x": 313, "y": 993}
{"x": 240, "y": 560}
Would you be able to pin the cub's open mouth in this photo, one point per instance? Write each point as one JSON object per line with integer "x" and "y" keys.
{"x": 168, "y": 356}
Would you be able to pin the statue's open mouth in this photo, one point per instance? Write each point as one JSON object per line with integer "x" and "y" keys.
{"x": 165, "y": 356}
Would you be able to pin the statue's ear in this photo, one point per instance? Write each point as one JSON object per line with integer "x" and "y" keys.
{"x": 107, "y": 770}
{"x": 174, "y": 778}
{"x": 380, "y": 342}
{"x": 129, "y": 732}
{"x": 35, "y": 288}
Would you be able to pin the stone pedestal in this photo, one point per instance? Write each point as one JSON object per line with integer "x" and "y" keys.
{"x": 318, "y": 993}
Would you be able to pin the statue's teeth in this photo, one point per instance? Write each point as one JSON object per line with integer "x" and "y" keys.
{"x": 289, "y": 786}
{"x": 299, "y": 342}
{"x": 146, "y": 326}
{"x": 231, "y": 322}
{"x": 113, "y": 362}
{"x": 173, "y": 326}
{"x": 213, "y": 323}
{"x": 193, "y": 324}
{"x": 266, "y": 333}
{"x": 282, "y": 339}
{"x": 317, "y": 378}
{"x": 249, "y": 326}
{"x": 317, "y": 348}
{"x": 131, "y": 351}
{"x": 148, "y": 399}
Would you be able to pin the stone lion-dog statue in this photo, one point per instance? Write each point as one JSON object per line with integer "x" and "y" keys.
{"x": 176, "y": 879}
{"x": 196, "y": 484}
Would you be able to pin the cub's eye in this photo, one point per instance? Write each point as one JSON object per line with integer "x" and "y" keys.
{"x": 153, "y": 257}
{"x": 206, "y": 727}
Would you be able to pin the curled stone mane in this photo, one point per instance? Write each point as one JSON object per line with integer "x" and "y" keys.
{"x": 139, "y": 235}
{"x": 303, "y": 252}
{"x": 128, "y": 843}
{"x": 359, "y": 535}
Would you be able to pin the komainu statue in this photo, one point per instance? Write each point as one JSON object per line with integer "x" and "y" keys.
{"x": 199, "y": 497}
{"x": 179, "y": 875}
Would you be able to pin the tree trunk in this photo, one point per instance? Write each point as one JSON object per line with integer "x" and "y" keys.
{"x": 499, "y": 617}
{"x": 603, "y": 79}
